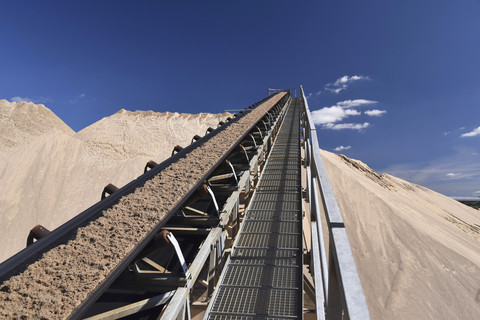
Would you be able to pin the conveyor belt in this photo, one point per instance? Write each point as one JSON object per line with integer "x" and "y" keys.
{"x": 263, "y": 277}
{"x": 81, "y": 259}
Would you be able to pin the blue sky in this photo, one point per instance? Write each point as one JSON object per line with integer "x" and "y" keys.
{"x": 410, "y": 69}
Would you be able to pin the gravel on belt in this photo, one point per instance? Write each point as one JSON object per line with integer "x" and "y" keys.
{"x": 54, "y": 285}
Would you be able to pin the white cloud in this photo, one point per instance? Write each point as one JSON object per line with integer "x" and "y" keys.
{"x": 336, "y": 90}
{"x": 341, "y": 148}
{"x": 451, "y": 174}
{"x": 309, "y": 95}
{"x": 26, "y": 99}
{"x": 18, "y": 99}
{"x": 343, "y": 82}
{"x": 332, "y": 114}
{"x": 351, "y": 126}
{"x": 329, "y": 116}
{"x": 347, "y": 104}
{"x": 318, "y": 93}
{"x": 473, "y": 133}
{"x": 375, "y": 112}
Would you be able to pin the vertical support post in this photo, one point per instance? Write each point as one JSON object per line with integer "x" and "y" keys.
{"x": 335, "y": 305}
{"x": 309, "y": 188}
{"x": 211, "y": 269}
{"x": 181, "y": 314}
{"x": 315, "y": 205}
{"x": 220, "y": 250}
{"x": 236, "y": 218}
{"x": 188, "y": 315}
{"x": 255, "y": 174}
{"x": 315, "y": 265}
{"x": 307, "y": 152}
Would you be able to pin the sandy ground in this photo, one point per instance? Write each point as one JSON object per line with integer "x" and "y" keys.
{"x": 53, "y": 286}
{"x": 417, "y": 251}
{"x": 49, "y": 173}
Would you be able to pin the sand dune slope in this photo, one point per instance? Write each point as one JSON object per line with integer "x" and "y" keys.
{"x": 49, "y": 174}
{"x": 23, "y": 122}
{"x": 128, "y": 134}
{"x": 417, "y": 251}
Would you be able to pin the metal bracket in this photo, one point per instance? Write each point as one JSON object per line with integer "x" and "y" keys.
{"x": 213, "y": 199}
{"x": 233, "y": 171}
{"x": 254, "y": 142}
{"x": 260, "y": 132}
{"x": 175, "y": 244}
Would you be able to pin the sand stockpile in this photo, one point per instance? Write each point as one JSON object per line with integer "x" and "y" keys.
{"x": 50, "y": 174}
{"x": 127, "y": 134}
{"x": 53, "y": 286}
{"x": 23, "y": 122}
{"x": 417, "y": 251}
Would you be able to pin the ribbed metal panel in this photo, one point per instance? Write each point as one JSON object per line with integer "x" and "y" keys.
{"x": 273, "y": 215}
{"x": 276, "y": 197}
{"x": 278, "y": 205}
{"x": 271, "y": 226}
{"x": 268, "y": 240}
{"x": 280, "y": 171}
{"x": 286, "y": 183}
{"x": 277, "y": 188}
{"x": 291, "y": 162}
{"x": 280, "y": 166}
{"x": 280, "y": 177}
{"x": 263, "y": 279}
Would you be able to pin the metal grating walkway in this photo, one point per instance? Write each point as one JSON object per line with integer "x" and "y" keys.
{"x": 263, "y": 277}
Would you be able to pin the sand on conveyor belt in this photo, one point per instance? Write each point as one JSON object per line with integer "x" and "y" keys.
{"x": 50, "y": 174}
{"x": 417, "y": 251}
{"x": 57, "y": 283}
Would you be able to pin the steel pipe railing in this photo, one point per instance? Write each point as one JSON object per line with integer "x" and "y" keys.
{"x": 340, "y": 283}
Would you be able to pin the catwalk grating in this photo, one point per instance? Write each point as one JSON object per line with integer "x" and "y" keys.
{"x": 276, "y": 197}
{"x": 280, "y": 171}
{"x": 273, "y": 215}
{"x": 271, "y": 226}
{"x": 280, "y": 177}
{"x": 263, "y": 276}
{"x": 268, "y": 240}
{"x": 275, "y": 205}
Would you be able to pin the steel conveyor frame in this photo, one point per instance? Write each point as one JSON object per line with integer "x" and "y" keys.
{"x": 263, "y": 276}
{"x": 178, "y": 307}
{"x": 338, "y": 290}
{"x": 27, "y": 256}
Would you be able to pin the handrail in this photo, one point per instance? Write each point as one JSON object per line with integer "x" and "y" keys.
{"x": 341, "y": 283}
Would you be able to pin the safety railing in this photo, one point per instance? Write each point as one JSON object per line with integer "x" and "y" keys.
{"x": 339, "y": 293}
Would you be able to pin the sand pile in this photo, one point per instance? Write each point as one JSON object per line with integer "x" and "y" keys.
{"x": 23, "y": 122}
{"x": 417, "y": 251}
{"x": 127, "y": 134}
{"x": 53, "y": 286}
{"x": 49, "y": 173}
